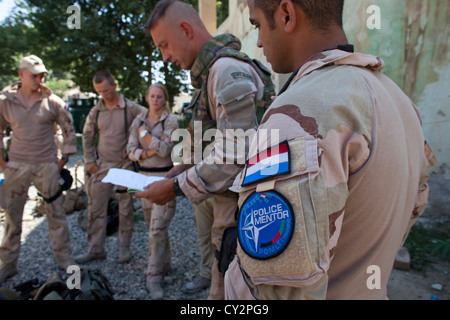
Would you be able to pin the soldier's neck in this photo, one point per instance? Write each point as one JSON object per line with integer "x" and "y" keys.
{"x": 113, "y": 102}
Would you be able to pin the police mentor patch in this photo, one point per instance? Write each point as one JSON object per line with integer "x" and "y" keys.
{"x": 266, "y": 224}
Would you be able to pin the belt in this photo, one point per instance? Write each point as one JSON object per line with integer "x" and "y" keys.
{"x": 144, "y": 169}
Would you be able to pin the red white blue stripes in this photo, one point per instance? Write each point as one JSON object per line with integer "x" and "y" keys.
{"x": 270, "y": 163}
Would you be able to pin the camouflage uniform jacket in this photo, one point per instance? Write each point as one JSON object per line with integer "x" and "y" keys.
{"x": 34, "y": 129}
{"x": 162, "y": 144}
{"x": 229, "y": 91}
{"x": 113, "y": 128}
{"x": 358, "y": 178}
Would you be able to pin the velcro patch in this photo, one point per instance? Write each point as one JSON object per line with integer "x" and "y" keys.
{"x": 266, "y": 224}
{"x": 273, "y": 162}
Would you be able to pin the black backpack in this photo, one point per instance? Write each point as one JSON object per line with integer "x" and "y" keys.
{"x": 227, "y": 249}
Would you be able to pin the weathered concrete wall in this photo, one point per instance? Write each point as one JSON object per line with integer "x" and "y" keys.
{"x": 238, "y": 24}
{"x": 208, "y": 11}
{"x": 414, "y": 41}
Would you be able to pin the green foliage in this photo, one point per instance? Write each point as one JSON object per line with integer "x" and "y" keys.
{"x": 111, "y": 37}
{"x": 59, "y": 86}
{"x": 222, "y": 11}
{"x": 13, "y": 38}
{"x": 424, "y": 245}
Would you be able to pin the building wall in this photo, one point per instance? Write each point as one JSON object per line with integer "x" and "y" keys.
{"x": 413, "y": 40}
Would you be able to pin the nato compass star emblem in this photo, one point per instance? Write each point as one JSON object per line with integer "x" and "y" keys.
{"x": 266, "y": 224}
{"x": 253, "y": 233}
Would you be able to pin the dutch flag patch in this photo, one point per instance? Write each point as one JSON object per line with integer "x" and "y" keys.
{"x": 273, "y": 162}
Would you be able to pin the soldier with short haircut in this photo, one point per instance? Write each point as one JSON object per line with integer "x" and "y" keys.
{"x": 230, "y": 89}
{"x": 350, "y": 172}
{"x": 110, "y": 120}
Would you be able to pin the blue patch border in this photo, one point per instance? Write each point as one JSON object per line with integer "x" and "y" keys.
{"x": 288, "y": 241}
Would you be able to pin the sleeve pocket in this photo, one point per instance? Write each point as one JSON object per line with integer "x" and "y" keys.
{"x": 238, "y": 102}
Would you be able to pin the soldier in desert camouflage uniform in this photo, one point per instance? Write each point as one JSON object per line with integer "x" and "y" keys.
{"x": 111, "y": 120}
{"x": 229, "y": 90}
{"x": 150, "y": 146}
{"x": 32, "y": 111}
{"x": 358, "y": 166}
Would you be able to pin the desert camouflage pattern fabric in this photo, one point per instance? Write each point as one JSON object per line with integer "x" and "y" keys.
{"x": 225, "y": 45}
{"x": 98, "y": 194}
{"x": 157, "y": 217}
{"x": 33, "y": 159}
{"x": 229, "y": 91}
{"x": 359, "y": 172}
{"x": 110, "y": 127}
{"x": 110, "y": 152}
{"x": 35, "y": 128}
{"x": 161, "y": 140}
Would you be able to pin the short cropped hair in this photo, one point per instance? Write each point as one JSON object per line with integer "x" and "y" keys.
{"x": 158, "y": 12}
{"x": 323, "y": 14}
{"x": 103, "y": 75}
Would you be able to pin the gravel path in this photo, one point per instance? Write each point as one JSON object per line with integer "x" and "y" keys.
{"x": 128, "y": 280}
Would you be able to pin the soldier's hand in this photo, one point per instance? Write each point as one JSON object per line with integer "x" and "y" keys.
{"x": 159, "y": 192}
{"x": 3, "y": 164}
{"x": 91, "y": 168}
{"x": 61, "y": 163}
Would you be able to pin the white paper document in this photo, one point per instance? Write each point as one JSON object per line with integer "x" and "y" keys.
{"x": 132, "y": 180}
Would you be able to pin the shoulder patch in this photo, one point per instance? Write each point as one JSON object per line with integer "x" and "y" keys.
{"x": 265, "y": 224}
{"x": 241, "y": 75}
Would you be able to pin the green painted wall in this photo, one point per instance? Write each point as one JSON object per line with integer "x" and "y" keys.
{"x": 414, "y": 41}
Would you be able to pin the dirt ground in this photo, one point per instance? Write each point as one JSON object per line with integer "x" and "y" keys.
{"x": 435, "y": 280}
{"x": 416, "y": 285}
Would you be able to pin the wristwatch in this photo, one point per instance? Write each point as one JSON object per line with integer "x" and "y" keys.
{"x": 143, "y": 133}
{"x": 176, "y": 188}
{"x": 65, "y": 159}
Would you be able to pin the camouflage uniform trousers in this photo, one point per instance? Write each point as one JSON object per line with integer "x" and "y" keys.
{"x": 203, "y": 215}
{"x": 47, "y": 179}
{"x": 158, "y": 219}
{"x": 223, "y": 214}
{"x": 99, "y": 194}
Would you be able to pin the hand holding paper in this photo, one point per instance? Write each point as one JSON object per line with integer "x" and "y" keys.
{"x": 134, "y": 181}
{"x": 159, "y": 192}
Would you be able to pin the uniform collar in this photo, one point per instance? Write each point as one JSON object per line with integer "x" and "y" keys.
{"x": 120, "y": 103}
{"x": 335, "y": 57}
{"x": 164, "y": 116}
{"x": 207, "y": 54}
{"x": 12, "y": 91}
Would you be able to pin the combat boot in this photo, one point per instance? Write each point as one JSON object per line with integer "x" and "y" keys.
{"x": 63, "y": 265}
{"x": 197, "y": 284}
{"x": 155, "y": 289}
{"x": 124, "y": 254}
{"x": 6, "y": 272}
{"x": 87, "y": 257}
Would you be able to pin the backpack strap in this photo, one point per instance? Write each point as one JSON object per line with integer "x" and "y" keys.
{"x": 200, "y": 103}
{"x": 125, "y": 117}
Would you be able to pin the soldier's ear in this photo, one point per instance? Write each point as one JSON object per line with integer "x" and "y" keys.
{"x": 186, "y": 30}
{"x": 287, "y": 15}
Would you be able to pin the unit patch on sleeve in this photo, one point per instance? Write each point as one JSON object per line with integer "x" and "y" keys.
{"x": 266, "y": 224}
{"x": 273, "y": 162}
